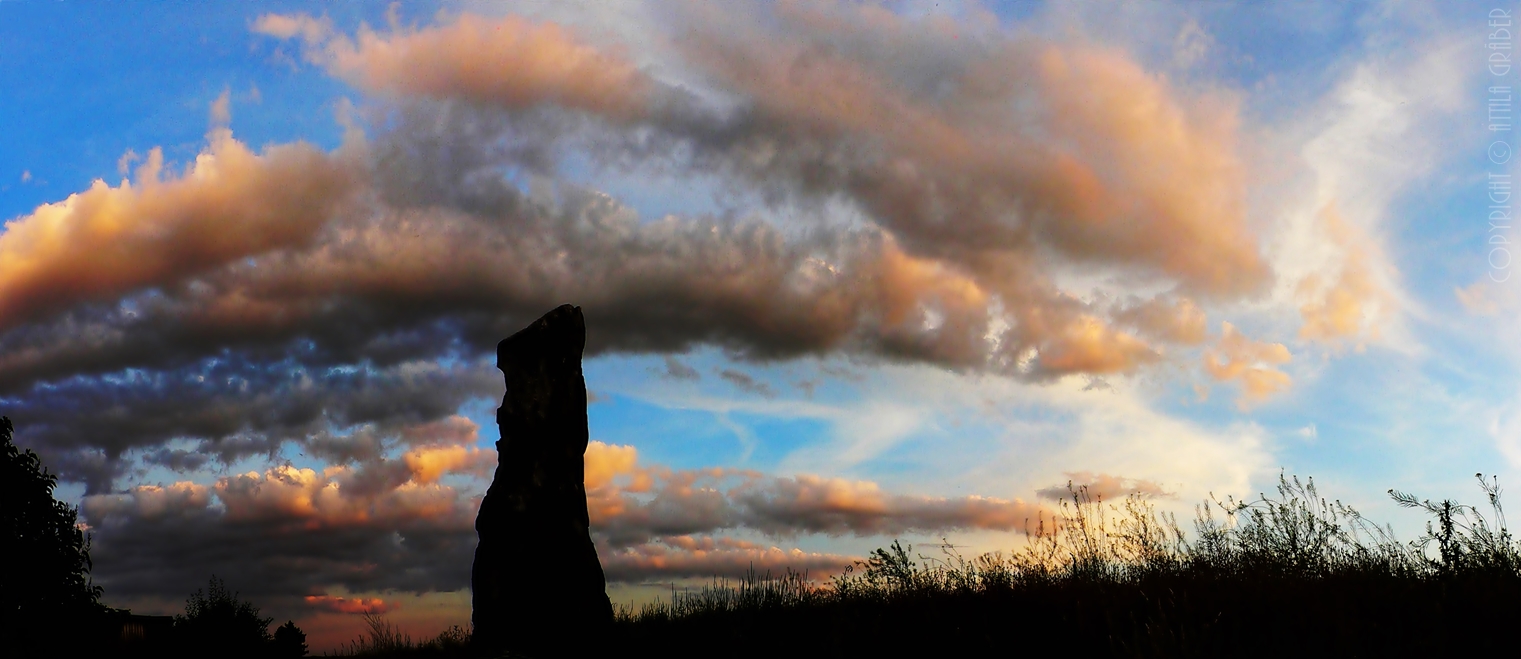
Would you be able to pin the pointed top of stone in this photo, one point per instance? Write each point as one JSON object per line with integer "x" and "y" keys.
{"x": 562, "y": 330}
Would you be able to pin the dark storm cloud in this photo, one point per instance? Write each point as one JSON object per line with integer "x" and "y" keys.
{"x": 232, "y": 407}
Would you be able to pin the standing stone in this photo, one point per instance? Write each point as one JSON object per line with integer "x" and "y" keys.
{"x": 537, "y": 583}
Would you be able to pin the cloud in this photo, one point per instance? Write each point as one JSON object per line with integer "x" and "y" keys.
{"x": 682, "y": 557}
{"x": 26, "y": 175}
{"x": 221, "y": 110}
{"x": 177, "y": 459}
{"x": 454, "y": 430}
{"x": 1478, "y": 298}
{"x": 1078, "y": 178}
{"x": 1352, "y": 304}
{"x": 746, "y": 383}
{"x": 282, "y": 531}
{"x": 675, "y": 370}
{"x": 124, "y": 163}
{"x": 1253, "y": 363}
{"x": 89, "y": 428}
{"x": 346, "y": 605}
{"x": 466, "y": 58}
{"x": 1103, "y": 487}
{"x": 1176, "y": 320}
{"x": 108, "y": 241}
{"x": 1389, "y": 120}
{"x": 965, "y": 199}
{"x": 290, "y": 529}
{"x": 428, "y": 464}
{"x": 447, "y": 220}
{"x": 1192, "y": 45}
{"x": 811, "y": 504}
{"x": 630, "y": 505}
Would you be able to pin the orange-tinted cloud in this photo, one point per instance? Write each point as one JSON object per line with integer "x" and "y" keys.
{"x": 1479, "y": 298}
{"x": 1252, "y": 363}
{"x": 347, "y": 605}
{"x": 336, "y": 497}
{"x": 1105, "y": 487}
{"x": 160, "y": 228}
{"x": 607, "y": 461}
{"x": 706, "y": 557}
{"x": 1171, "y": 320}
{"x": 283, "y": 531}
{"x": 981, "y": 177}
{"x": 1087, "y": 345}
{"x": 508, "y": 61}
{"x": 1352, "y": 304}
{"x": 1036, "y": 149}
{"x": 429, "y": 463}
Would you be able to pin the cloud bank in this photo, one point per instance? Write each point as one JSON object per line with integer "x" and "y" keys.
{"x": 391, "y": 525}
{"x": 984, "y": 174}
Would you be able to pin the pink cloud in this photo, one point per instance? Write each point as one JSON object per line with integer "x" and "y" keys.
{"x": 346, "y": 605}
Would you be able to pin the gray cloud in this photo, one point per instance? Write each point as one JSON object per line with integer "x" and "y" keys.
{"x": 232, "y": 407}
{"x": 746, "y": 383}
{"x": 675, "y": 370}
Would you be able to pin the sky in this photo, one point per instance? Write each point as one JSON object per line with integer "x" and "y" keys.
{"x": 851, "y": 272}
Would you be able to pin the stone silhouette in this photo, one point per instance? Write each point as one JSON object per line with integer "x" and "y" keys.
{"x": 536, "y": 573}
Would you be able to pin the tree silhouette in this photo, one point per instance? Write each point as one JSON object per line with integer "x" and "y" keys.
{"x": 217, "y": 622}
{"x": 290, "y": 641}
{"x": 45, "y": 582}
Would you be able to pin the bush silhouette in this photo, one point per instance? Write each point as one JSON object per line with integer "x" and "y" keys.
{"x": 219, "y": 623}
{"x": 290, "y": 641}
{"x": 45, "y": 583}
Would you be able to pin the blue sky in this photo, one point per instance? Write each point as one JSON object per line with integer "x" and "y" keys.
{"x": 890, "y": 270}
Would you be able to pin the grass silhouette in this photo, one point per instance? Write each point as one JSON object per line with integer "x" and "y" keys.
{"x": 384, "y": 639}
{"x": 1287, "y": 574}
